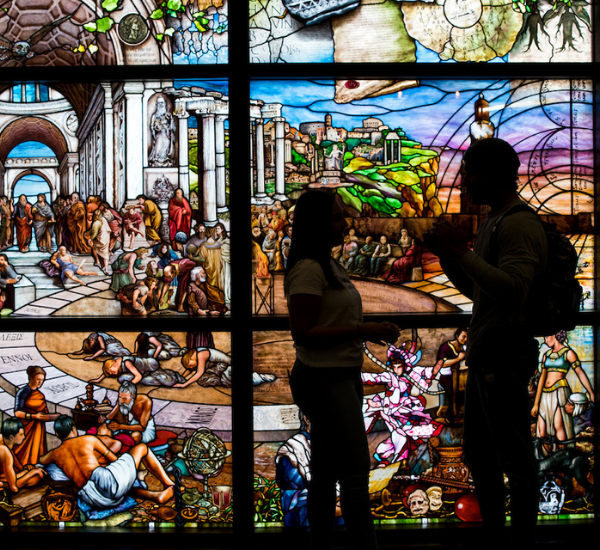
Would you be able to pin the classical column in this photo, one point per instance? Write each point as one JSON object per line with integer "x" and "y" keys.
{"x": 109, "y": 147}
{"x": 3, "y": 189}
{"x": 221, "y": 164}
{"x": 209, "y": 163}
{"x": 260, "y": 158}
{"x": 134, "y": 142}
{"x": 261, "y": 196}
{"x": 184, "y": 147}
{"x": 280, "y": 159}
{"x": 251, "y": 152}
{"x": 55, "y": 187}
{"x": 68, "y": 171}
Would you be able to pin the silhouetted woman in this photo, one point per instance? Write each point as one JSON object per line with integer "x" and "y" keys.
{"x": 328, "y": 331}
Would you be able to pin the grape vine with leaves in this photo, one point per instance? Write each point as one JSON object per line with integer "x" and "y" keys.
{"x": 166, "y": 11}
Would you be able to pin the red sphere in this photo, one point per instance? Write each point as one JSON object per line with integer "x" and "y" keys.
{"x": 467, "y": 508}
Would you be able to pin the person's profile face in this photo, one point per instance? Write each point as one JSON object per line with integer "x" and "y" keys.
{"x": 124, "y": 398}
{"x": 550, "y": 340}
{"x": 19, "y": 438}
{"x": 462, "y": 338}
{"x": 473, "y": 183}
{"x": 37, "y": 381}
{"x": 338, "y": 224}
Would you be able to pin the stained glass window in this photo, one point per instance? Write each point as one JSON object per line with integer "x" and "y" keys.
{"x": 415, "y": 430}
{"x": 104, "y": 108}
{"x": 109, "y": 187}
{"x": 163, "y": 398}
{"x": 393, "y": 31}
{"x": 166, "y": 32}
{"x": 391, "y": 150}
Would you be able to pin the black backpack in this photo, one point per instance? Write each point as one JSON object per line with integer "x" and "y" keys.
{"x": 555, "y": 295}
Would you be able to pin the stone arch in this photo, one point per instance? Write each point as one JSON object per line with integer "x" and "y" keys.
{"x": 32, "y": 128}
{"x": 44, "y": 174}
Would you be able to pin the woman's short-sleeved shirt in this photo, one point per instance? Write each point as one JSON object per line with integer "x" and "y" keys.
{"x": 340, "y": 307}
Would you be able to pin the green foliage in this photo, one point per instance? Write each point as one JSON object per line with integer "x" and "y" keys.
{"x": 104, "y": 25}
{"x": 267, "y": 507}
{"x": 349, "y": 197}
{"x": 175, "y": 5}
{"x": 157, "y": 14}
{"x": 351, "y": 143}
{"x": 297, "y": 158}
{"x": 356, "y": 196}
{"x": 200, "y": 22}
{"x": 193, "y": 156}
{"x": 110, "y": 5}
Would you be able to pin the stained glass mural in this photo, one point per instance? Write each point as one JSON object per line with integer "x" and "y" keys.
{"x": 417, "y": 468}
{"x": 113, "y": 32}
{"x": 114, "y": 198}
{"x": 154, "y": 405}
{"x": 395, "y": 31}
{"x": 391, "y": 152}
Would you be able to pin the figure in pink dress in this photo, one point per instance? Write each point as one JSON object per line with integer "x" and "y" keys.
{"x": 403, "y": 413}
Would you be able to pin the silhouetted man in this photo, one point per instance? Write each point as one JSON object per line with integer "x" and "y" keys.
{"x": 509, "y": 251}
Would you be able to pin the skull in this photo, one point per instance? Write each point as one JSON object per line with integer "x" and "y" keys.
{"x": 418, "y": 503}
{"x": 21, "y": 49}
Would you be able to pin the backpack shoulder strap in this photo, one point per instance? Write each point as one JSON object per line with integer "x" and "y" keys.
{"x": 517, "y": 208}
{"x": 522, "y": 207}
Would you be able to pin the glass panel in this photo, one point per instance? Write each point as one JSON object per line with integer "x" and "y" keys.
{"x": 114, "y": 33}
{"x": 136, "y": 189}
{"x": 391, "y": 152}
{"x": 417, "y": 468}
{"x": 44, "y": 95}
{"x": 390, "y": 31}
{"x": 127, "y": 392}
{"x": 17, "y": 94}
{"x": 30, "y": 92}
